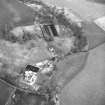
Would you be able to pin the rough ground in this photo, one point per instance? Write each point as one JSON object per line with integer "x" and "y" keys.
{"x": 87, "y": 9}
{"x": 88, "y": 88}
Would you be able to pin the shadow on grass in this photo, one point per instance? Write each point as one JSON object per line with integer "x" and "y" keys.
{"x": 97, "y": 1}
